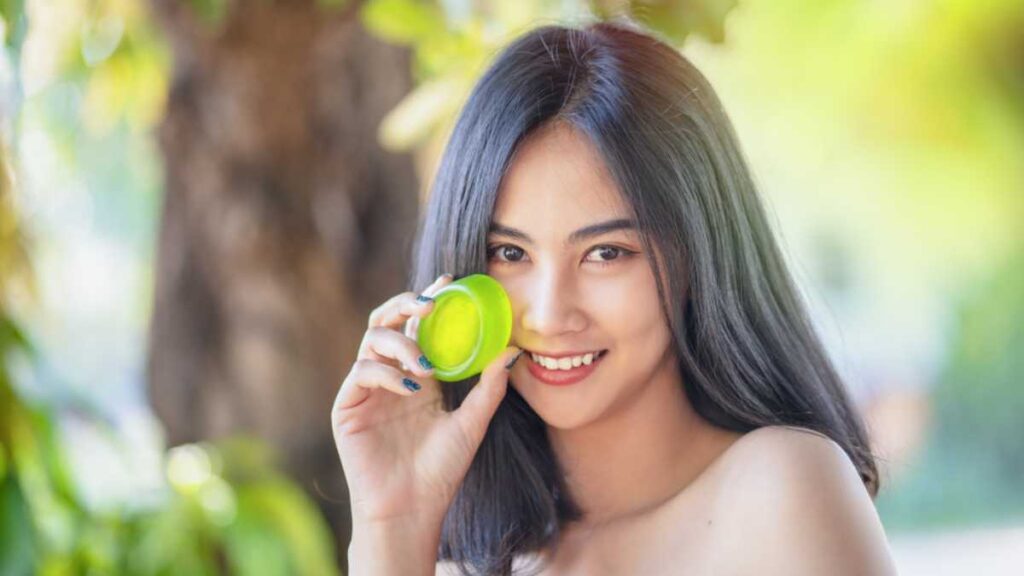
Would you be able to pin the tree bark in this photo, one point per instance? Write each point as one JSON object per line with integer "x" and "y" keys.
{"x": 283, "y": 225}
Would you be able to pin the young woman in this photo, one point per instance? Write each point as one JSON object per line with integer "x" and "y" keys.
{"x": 666, "y": 408}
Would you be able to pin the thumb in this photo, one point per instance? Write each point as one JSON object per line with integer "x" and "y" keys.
{"x": 482, "y": 402}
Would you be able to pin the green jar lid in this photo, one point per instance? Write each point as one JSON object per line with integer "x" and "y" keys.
{"x": 470, "y": 325}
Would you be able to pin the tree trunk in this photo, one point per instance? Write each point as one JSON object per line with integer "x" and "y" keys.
{"x": 283, "y": 224}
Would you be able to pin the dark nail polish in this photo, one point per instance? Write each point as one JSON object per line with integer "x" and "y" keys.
{"x": 425, "y": 363}
{"x": 410, "y": 384}
{"x": 512, "y": 362}
{"x": 424, "y": 299}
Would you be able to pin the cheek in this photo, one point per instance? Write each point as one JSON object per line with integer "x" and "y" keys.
{"x": 627, "y": 307}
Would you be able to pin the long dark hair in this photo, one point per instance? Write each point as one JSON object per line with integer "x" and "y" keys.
{"x": 748, "y": 354}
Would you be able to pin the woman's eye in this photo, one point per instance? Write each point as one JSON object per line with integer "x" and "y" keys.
{"x": 608, "y": 253}
{"x": 511, "y": 253}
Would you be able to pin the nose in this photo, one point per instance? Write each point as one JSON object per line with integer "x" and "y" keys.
{"x": 551, "y": 305}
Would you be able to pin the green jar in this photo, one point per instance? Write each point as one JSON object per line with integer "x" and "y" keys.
{"x": 470, "y": 325}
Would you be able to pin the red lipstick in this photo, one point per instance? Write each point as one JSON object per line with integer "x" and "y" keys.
{"x": 562, "y": 377}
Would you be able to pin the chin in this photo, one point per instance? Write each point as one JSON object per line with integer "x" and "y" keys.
{"x": 562, "y": 415}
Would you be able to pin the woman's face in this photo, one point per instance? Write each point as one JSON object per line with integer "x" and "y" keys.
{"x": 575, "y": 293}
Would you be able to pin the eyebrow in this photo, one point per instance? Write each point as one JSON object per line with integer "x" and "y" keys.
{"x": 590, "y": 231}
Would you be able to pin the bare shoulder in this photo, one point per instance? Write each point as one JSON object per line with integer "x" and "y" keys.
{"x": 793, "y": 503}
{"x": 778, "y": 445}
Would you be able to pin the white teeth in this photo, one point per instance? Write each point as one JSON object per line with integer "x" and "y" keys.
{"x": 565, "y": 363}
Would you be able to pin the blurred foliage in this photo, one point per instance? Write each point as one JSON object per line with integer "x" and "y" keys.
{"x": 224, "y": 507}
{"x": 971, "y": 469}
{"x": 13, "y": 14}
{"x": 14, "y": 539}
{"x": 14, "y": 254}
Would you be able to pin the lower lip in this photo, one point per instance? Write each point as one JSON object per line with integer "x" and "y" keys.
{"x": 562, "y": 377}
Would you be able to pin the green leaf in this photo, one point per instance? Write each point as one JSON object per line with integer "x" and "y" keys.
{"x": 15, "y": 23}
{"x": 12, "y": 338}
{"x": 676, "y": 20}
{"x": 16, "y": 541}
{"x": 403, "y": 21}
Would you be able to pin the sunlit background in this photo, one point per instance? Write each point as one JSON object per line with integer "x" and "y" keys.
{"x": 887, "y": 138}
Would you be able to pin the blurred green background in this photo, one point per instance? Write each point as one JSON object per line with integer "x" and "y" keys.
{"x": 201, "y": 200}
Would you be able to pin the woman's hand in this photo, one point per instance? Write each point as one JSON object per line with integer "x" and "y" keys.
{"x": 403, "y": 455}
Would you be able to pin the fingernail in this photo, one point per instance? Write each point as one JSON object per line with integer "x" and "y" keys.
{"x": 448, "y": 275}
{"x": 512, "y": 362}
{"x": 410, "y": 384}
{"x": 424, "y": 299}
{"x": 424, "y": 362}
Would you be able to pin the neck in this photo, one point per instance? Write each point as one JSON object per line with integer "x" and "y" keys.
{"x": 640, "y": 456}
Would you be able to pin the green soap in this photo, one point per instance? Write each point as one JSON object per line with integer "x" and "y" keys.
{"x": 470, "y": 325}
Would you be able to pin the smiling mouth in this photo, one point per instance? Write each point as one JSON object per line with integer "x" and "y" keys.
{"x": 594, "y": 357}
{"x": 560, "y": 376}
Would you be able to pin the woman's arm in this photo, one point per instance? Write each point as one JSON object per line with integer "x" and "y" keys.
{"x": 397, "y": 548}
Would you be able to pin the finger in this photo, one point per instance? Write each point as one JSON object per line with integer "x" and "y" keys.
{"x": 366, "y": 376}
{"x": 442, "y": 281}
{"x": 477, "y": 410}
{"x": 385, "y": 344}
{"x": 412, "y": 325}
{"x": 395, "y": 311}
